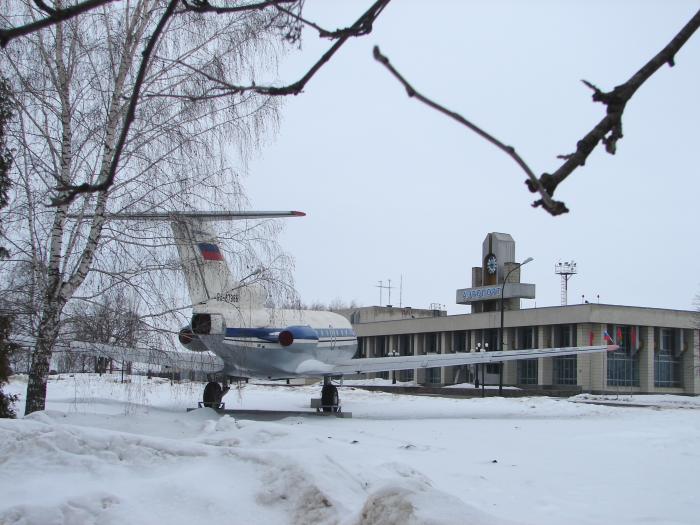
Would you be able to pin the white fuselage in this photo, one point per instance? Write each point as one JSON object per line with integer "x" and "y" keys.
{"x": 249, "y": 343}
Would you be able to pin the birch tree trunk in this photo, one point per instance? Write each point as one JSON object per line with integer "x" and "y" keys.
{"x": 41, "y": 358}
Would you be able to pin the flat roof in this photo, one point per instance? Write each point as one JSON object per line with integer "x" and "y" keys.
{"x": 547, "y": 315}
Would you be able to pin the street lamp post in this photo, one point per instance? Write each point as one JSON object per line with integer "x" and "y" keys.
{"x": 483, "y": 373}
{"x": 476, "y": 368}
{"x": 393, "y": 353}
{"x": 500, "y": 333}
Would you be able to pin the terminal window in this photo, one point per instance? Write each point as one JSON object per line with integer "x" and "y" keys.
{"x": 667, "y": 361}
{"x": 623, "y": 364}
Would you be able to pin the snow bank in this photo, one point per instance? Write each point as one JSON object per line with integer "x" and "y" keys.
{"x": 651, "y": 400}
{"x": 106, "y": 452}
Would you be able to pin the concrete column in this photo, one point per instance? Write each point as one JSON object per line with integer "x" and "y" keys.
{"x": 584, "y": 363}
{"x": 510, "y": 368}
{"x": 418, "y": 374}
{"x": 646, "y": 359}
{"x": 691, "y": 361}
{"x": 696, "y": 361}
{"x": 444, "y": 339}
{"x": 448, "y": 343}
{"x": 544, "y": 364}
{"x": 597, "y": 363}
{"x": 370, "y": 345}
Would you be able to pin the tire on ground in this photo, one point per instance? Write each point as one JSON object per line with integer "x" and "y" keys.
{"x": 212, "y": 395}
{"x": 329, "y": 398}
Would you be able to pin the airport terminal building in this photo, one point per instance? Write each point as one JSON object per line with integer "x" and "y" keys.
{"x": 659, "y": 348}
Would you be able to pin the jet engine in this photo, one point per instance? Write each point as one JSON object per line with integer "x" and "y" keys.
{"x": 190, "y": 340}
{"x": 202, "y": 324}
{"x": 300, "y": 334}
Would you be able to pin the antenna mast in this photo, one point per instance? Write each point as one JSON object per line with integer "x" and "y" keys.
{"x": 566, "y": 270}
{"x": 383, "y": 287}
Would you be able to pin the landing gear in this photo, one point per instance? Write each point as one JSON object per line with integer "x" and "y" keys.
{"x": 330, "y": 401}
{"x": 213, "y": 394}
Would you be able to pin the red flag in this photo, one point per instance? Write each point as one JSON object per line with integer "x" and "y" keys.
{"x": 590, "y": 338}
{"x": 619, "y": 335}
{"x": 634, "y": 338}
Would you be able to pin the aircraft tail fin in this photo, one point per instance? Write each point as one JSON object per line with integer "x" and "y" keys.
{"x": 206, "y": 272}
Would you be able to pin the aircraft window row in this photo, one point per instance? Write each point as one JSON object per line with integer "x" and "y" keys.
{"x": 335, "y": 332}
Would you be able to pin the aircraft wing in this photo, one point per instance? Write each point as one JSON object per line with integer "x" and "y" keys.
{"x": 385, "y": 364}
{"x": 200, "y": 215}
{"x": 198, "y": 361}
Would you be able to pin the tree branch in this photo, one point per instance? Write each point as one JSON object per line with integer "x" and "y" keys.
{"x": 69, "y": 193}
{"x": 608, "y": 130}
{"x": 203, "y": 6}
{"x": 55, "y": 16}
{"x": 360, "y": 28}
{"x": 509, "y": 150}
{"x": 332, "y": 35}
{"x": 42, "y": 5}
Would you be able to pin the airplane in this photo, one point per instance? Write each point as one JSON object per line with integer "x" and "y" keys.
{"x": 229, "y": 319}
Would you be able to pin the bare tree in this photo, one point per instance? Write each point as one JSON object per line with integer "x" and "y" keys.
{"x": 607, "y": 131}
{"x": 51, "y": 16}
{"x": 116, "y": 106}
{"x": 6, "y": 112}
{"x": 335, "y": 305}
{"x": 341, "y": 304}
{"x": 113, "y": 319}
{"x": 205, "y": 81}
{"x": 6, "y": 348}
{"x": 74, "y": 85}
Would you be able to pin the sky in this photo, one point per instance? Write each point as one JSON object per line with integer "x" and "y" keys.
{"x": 394, "y": 190}
{"x": 108, "y": 452}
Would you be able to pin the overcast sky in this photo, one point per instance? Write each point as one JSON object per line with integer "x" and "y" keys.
{"x": 392, "y": 188}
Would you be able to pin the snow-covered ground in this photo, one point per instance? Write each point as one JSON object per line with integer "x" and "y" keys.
{"x": 112, "y": 453}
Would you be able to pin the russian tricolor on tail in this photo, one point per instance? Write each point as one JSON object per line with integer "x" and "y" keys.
{"x": 210, "y": 251}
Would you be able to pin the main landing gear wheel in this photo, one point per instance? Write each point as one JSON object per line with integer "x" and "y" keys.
{"x": 329, "y": 398}
{"x": 213, "y": 395}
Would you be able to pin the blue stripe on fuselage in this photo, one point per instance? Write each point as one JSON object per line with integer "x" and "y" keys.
{"x": 271, "y": 334}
